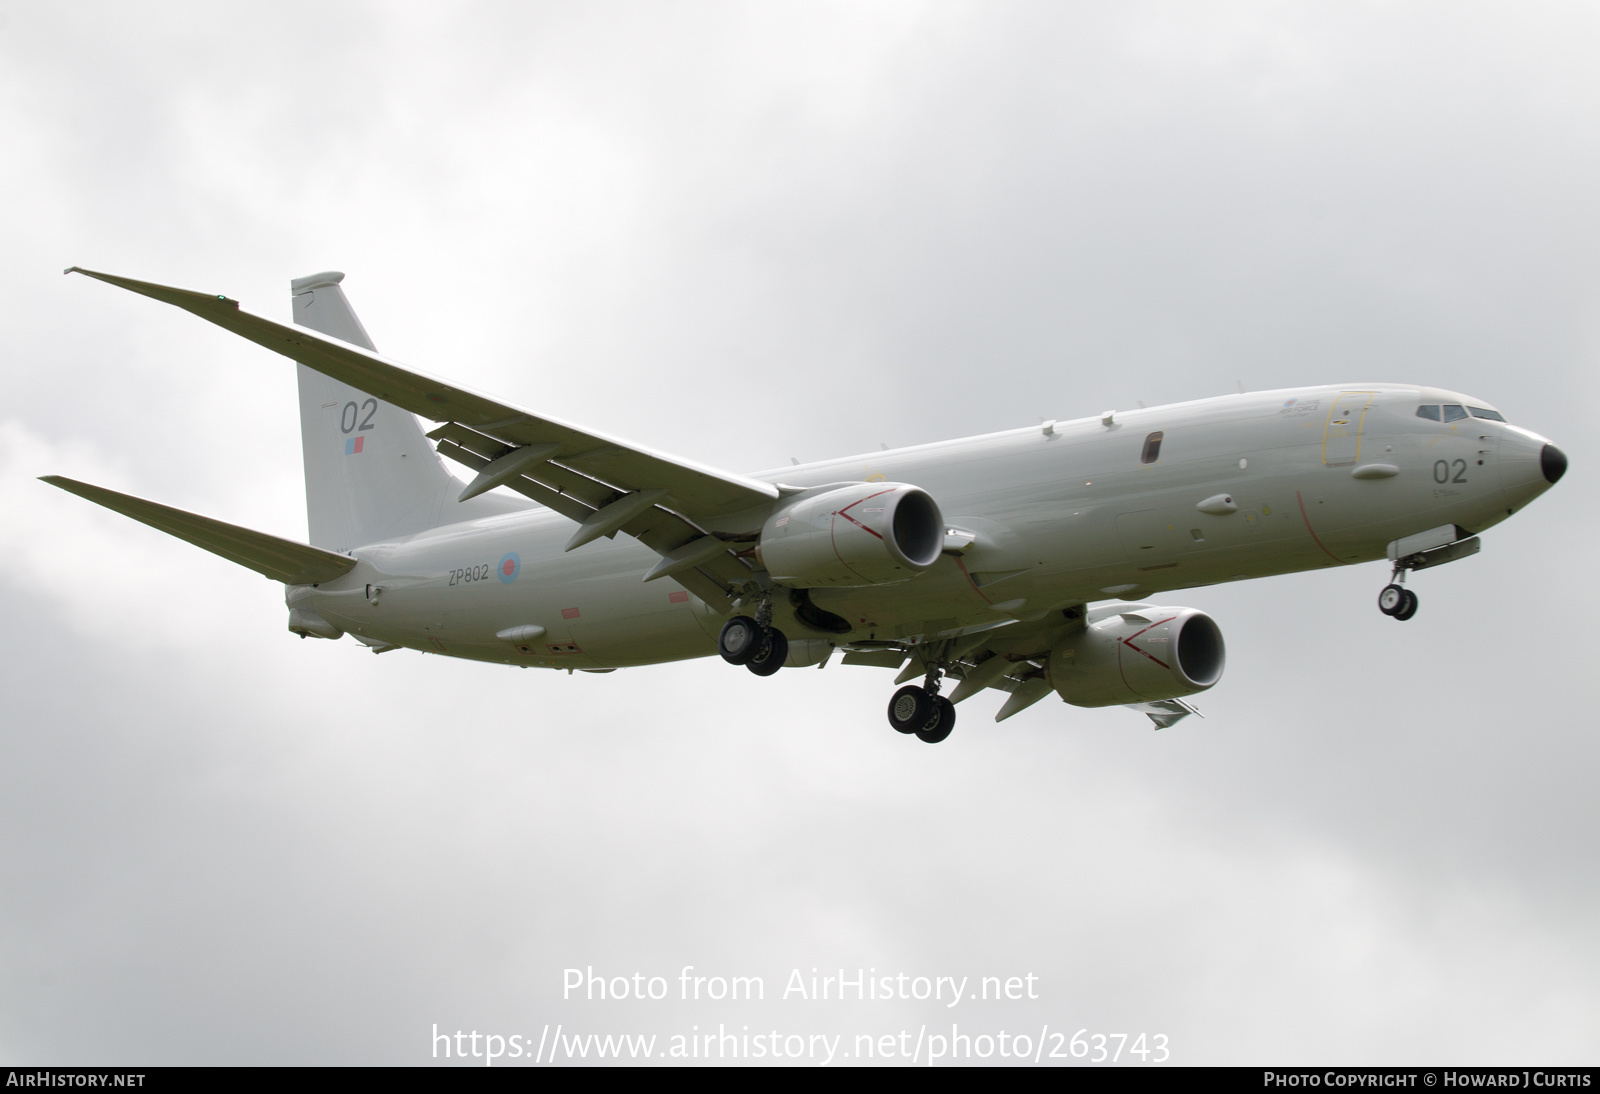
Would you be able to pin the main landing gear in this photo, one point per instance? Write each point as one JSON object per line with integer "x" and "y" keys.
{"x": 761, "y": 649}
{"x": 1396, "y": 600}
{"x": 923, "y": 711}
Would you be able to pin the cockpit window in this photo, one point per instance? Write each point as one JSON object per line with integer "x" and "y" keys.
{"x": 1485, "y": 412}
{"x": 1429, "y": 412}
{"x": 1454, "y": 413}
{"x": 1152, "y": 448}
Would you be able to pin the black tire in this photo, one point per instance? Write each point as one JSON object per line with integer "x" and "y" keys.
{"x": 940, "y": 722}
{"x": 773, "y": 653}
{"x": 1392, "y": 599}
{"x": 910, "y": 708}
{"x": 1409, "y": 608}
{"x": 740, "y": 640}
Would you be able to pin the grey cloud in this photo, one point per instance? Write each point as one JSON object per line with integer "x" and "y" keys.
{"x": 743, "y": 233}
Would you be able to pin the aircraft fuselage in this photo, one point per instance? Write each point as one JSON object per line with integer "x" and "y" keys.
{"x": 1041, "y": 518}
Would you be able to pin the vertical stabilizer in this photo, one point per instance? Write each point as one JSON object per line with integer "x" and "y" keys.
{"x": 371, "y": 474}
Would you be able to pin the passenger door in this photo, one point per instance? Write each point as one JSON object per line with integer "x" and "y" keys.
{"x": 1341, "y": 436}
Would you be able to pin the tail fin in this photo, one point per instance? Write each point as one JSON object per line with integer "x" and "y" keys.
{"x": 371, "y": 475}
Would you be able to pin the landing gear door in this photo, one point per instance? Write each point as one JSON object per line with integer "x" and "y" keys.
{"x": 1341, "y": 437}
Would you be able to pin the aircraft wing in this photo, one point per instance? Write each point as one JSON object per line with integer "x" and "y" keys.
{"x": 1009, "y": 658}
{"x": 709, "y": 498}
{"x": 279, "y": 559}
{"x": 707, "y": 568}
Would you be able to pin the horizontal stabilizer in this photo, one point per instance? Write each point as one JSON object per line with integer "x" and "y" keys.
{"x": 280, "y": 559}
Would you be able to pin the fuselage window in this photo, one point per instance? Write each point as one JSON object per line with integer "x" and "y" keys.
{"x": 1429, "y": 412}
{"x": 1485, "y": 412}
{"x": 1152, "y": 448}
{"x": 1454, "y": 413}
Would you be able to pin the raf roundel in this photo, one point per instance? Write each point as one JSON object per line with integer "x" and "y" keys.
{"x": 510, "y": 567}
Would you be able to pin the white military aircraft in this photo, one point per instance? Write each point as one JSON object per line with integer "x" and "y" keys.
{"x": 977, "y": 560}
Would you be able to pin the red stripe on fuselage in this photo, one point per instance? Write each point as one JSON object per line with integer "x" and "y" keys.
{"x": 1313, "y": 531}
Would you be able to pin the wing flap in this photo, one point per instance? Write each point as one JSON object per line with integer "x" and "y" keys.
{"x": 471, "y": 440}
{"x": 701, "y": 492}
{"x": 279, "y": 559}
{"x": 577, "y": 496}
{"x": 553, "y": 476}
{"x": 552, "y": 499}
{"x": 658, "y": 529}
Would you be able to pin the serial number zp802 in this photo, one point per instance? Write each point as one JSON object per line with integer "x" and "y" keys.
{"x": 471, "y": 573}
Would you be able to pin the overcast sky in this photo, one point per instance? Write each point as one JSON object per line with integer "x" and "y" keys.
{"x": 742, "y": 232}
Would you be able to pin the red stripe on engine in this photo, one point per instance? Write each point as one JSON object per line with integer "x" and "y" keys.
{"x": 1128, "y": 641}
{"x": 845, "y": 512}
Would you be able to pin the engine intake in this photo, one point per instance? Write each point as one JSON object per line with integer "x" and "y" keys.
{"x": 869, "y": 533}
{"x": 1137, "y": 655}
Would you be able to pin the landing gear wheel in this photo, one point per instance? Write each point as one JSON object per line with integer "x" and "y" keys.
{"x": 740, "y": 640}
{"x": 910, "y": 709}
{"x": 771, "y": 655}
{"x": 1409, "y": 608}
{"x": 1392, "y": 599}
{"x": 940, "y": 722}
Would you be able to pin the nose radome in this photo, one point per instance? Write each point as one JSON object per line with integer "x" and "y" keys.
{"x": 1553, "y": 462}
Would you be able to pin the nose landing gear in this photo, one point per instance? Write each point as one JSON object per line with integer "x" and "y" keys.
{"x": 1422, "y": 551}
{"x": 1396, "y": 600}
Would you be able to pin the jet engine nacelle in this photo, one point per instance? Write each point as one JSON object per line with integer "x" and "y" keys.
{"x": 868, "y": 533}
{"x": 1137, "y": 655}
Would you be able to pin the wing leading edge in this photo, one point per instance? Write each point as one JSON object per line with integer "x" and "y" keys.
{"x": 705, "y": 492}
{"x": 599, "y": 481}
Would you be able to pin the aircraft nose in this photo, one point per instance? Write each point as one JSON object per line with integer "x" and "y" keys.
{"x": 1553, "y": 462}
